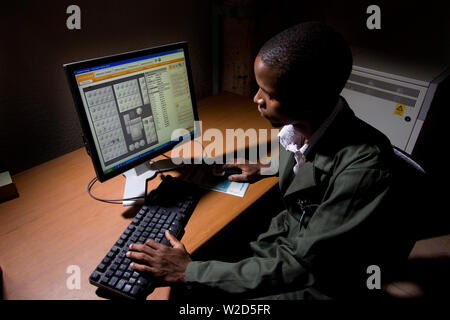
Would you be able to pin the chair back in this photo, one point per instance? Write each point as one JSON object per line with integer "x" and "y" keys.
{"x": 414, "y": 191}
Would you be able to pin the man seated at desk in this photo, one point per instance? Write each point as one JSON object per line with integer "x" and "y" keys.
{"x": 336, "y": 181}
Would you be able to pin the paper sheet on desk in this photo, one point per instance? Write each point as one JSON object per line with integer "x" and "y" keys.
{"x": 202, "y": 176}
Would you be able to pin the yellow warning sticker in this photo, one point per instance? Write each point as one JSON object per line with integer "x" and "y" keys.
{"x": 399, "y": 110}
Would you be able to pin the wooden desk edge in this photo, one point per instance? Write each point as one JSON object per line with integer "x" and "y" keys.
{"x": 52, "y": 194}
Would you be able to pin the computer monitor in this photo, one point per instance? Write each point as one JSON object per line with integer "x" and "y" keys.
{"x": 129, "y": 106}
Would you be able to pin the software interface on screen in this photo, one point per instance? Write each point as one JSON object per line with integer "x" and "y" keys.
{"x": 134, "y": 105}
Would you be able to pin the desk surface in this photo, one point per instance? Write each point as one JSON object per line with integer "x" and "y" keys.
{"x": 54, "y": 223}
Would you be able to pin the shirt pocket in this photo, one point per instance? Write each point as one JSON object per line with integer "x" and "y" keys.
{"x": 307, "y": 208}
{"x": 302, "y": 206}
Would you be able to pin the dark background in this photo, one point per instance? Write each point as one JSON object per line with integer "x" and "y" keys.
{"x": 37, "y": 117}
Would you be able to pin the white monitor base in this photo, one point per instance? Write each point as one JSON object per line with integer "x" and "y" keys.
{"x": 136, "y": 184}
{"x": 136, "y": 179}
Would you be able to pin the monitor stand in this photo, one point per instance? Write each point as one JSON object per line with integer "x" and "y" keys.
{"x": 136, "y": 179}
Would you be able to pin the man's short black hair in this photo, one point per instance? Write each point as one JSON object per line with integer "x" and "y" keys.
{"x": 312, "y": 61}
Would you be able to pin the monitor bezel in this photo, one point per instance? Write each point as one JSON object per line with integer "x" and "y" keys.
{"x": 88, "y": 136}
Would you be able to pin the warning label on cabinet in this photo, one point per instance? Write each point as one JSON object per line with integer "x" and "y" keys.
{"x": 399, "y": 110}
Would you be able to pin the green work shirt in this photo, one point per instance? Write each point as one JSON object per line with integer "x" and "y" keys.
{"x": 339, "y": 220}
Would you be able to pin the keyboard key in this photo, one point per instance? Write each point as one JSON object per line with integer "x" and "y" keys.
{"x": 115, "y": 249}
{"x": 113, "y": 281}
{"x": 171, "y": 217}
{"x": 135, "y": 290}
{"x": 142, "y": 282}
{"x": 95, "y": 276}
{"x": 139, "y": 215}
{"x": 122, "y": 267}
{"x": 104, "y": 280}
{"x": 165, "y": 241}
{"x": 127, "y": 288}
{"x": 101, "y": 267}
{"x": 176, "y": 223}
{"x": 120, "y": 284}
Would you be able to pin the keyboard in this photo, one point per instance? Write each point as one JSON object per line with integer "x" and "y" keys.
{"x": 167, "y": 207}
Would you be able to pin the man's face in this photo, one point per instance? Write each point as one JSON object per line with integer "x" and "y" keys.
{"x": 269, "y": 104}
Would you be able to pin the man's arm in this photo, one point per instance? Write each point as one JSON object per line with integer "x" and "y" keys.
{"x": 339, "y": 236}
{"x": 339, "y": 226}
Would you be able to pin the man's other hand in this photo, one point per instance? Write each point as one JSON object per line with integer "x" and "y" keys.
{"x": 250, "y": 172}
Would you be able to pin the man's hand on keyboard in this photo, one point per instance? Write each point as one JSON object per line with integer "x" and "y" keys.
{"x": 167, "y": 264}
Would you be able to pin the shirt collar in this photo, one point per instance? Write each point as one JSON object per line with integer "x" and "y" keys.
{"x": 318, "y": 134}
{"x": 294, "y": 141}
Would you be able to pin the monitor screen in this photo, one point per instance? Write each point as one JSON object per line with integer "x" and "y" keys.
{"x": 131, "y": 104}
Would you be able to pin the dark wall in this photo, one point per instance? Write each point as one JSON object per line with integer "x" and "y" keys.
{"x": 411, "y": 28}
{"x": 414, "y": 31}
{"x": 37, "y": 117}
